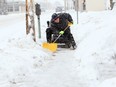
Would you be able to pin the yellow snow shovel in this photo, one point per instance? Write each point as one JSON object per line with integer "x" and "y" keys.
{"x": 52, "y": 46}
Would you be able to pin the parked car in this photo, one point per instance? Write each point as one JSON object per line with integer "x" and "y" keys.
{"x": 59, "y": 9}
{"x": 3, "y": 12}
{"x": 3, "y": 7}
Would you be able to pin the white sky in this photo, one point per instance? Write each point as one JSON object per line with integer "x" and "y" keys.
{"x": 62, "y": 1}
{"x": 40, "y": 0}
{"x": 51, "y": 1}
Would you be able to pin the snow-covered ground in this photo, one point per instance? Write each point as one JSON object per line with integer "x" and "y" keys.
{"x": 24, "y": 63}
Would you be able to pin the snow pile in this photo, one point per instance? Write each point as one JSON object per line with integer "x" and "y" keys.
{"x": 109, "y": 83}
{"x": 96, "y": 45}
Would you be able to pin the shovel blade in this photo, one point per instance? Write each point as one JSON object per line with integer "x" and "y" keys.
{"x": 50, "y": 46}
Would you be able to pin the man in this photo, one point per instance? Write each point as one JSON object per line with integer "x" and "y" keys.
{"x": 61, "y": 23}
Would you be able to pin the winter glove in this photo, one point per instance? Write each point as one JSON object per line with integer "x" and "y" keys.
{"x": 70, "y": 23}
{"x": 61, "y": 32}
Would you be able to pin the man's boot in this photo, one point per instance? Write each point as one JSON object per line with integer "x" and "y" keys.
{"x": 74, "y": 45}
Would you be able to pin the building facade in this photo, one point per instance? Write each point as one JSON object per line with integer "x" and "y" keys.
{"x": 16, "y": 6}
{"x": 94, "y": 5}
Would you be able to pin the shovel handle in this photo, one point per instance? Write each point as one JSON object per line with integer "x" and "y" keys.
{"x": 57, "y": 38}
{"x": 60, "y": 35}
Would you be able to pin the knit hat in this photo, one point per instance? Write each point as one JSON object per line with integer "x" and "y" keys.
{"x": 55, "y": 16}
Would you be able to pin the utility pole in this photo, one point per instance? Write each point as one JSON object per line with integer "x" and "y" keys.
{"x": 30, "y": 15}
{"x": 32, "y": 19}
{"x": 27, "y": 14}
{"x": 46, "y": 2}
{"x": 13, "y": 5}
{"x": 65, "y": 5}
{"x": 77, "y": 10}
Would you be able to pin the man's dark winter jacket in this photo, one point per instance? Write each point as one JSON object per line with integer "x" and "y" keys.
{"x": 64, "y": 19}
